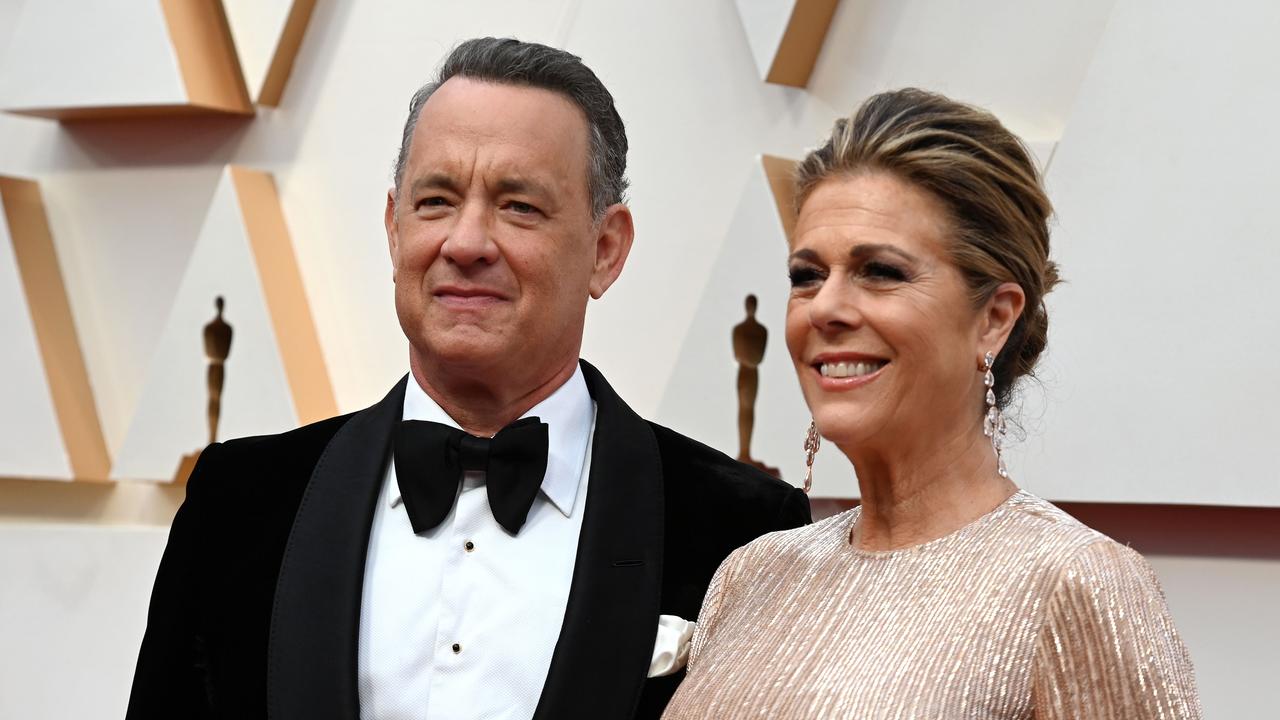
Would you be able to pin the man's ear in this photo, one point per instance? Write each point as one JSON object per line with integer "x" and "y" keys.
{"x": 999, "y": 315}
{"x": 613, "y": 244}
{"x": 393, "y": 231}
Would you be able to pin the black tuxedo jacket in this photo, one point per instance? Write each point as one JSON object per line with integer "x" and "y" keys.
{"x": 256, "y": 605}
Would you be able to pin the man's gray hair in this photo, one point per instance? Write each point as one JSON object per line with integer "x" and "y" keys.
{"x": 512, "y": 62}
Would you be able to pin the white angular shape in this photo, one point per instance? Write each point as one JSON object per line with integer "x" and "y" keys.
{"x": 86, "y": 581}
{"x": 1164, "y": 190}
{"x": 1024, "y": 61}
{"x": 765, "y": 22}
{"x": 33, "y": 448}
{"x": 1042, "y": 153}
{"x": 268, "y": 35}
{"x": 170, "y": 416}
{"x": 256, "y": 27}
{"x": 68, "y": 53}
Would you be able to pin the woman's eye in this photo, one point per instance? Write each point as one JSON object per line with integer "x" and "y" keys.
{"x": 804, "y": 276}
{"x": 883, "y": 271}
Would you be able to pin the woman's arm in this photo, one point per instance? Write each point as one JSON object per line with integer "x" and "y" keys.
{"x": 1108, "y": 648}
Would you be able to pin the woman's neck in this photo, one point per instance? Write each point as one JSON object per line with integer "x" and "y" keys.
{"x": 927, "y": 490}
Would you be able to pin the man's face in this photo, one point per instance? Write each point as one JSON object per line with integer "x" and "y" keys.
{"x": 493, "y": 244}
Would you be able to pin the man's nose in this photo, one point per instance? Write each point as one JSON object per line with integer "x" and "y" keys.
{"x": 470, "y": 240}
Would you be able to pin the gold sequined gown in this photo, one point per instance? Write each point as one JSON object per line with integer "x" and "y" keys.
{"x": 1023, "y": 613}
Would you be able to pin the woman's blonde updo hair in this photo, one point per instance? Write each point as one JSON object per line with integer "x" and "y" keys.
{"x": 982, "y": 174}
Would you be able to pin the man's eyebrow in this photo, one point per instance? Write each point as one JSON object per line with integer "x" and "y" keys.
{"x": 444, "y": 181}
{"x": 521, "y": 185}
{"x": 439, "y": 181}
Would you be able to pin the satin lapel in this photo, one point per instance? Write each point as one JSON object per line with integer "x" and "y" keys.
{"x": 611, "y": 620}
{"x": 314, "y": 645}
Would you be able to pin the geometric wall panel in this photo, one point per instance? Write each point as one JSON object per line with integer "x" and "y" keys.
{"x": 87, "y": 581}
{"x": 1042, "y": 154}
{"x": 275, "y": 378}
{"x": 786, "y": 36}
{"x": 701, "y": 396}
{"x": 25, "y": 400}
{"x": 1160, "y": 381}
{"x": 44, "y": 384}
{"x": 267, "y": 35}
{"x": 291, "y": 319}
{"x": 779, "y": 172}
{"x": 72, "y": 60}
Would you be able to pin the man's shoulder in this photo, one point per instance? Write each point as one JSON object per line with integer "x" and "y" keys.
{"x": 308, "y": 441}
{"x": 263, "y": 463}
{"x": 690, "y": 466}
{"x": 713, "y": 504}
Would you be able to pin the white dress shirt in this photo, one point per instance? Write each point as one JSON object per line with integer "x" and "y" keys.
{"x": 461, "y": 621}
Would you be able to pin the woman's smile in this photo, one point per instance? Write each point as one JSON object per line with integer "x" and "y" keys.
{"x": 845, "y": 371}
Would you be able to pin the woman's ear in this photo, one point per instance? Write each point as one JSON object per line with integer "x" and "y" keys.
{"x": 999, "y": 315}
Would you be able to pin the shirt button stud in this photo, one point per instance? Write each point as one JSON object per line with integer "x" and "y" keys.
{"x": 457, "y": 648}
{"x": 469, "y": 546}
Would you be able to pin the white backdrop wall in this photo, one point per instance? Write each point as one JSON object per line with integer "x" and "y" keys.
{"x": 1108, "y": 81}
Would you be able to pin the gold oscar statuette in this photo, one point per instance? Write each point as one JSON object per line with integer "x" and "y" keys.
{"x": 749, "y": 340}
{"x": 217, "y": 347}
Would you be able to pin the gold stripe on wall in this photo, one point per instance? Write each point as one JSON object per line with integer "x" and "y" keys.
{"x": 55, "y": 329}
{"x": 286, "y": 52}
{"x": 295, "y": 329}
{"x": 801, "y": 42}
{"x": 110, "y": 112}
{"x": 207, "y": 58}
{"x": 779, "y": 172}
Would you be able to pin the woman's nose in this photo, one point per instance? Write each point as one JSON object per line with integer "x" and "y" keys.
{"x": 836, "y": 306}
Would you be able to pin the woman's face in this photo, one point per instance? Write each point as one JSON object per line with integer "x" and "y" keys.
{"x": 880, "y": 326}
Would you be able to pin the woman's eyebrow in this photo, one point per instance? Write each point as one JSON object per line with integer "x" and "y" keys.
{"x": 804, "y": 254}
{"x": 862, "y": 250}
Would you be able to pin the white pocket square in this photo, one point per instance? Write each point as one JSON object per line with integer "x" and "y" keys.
{"x": 671, "y": 647}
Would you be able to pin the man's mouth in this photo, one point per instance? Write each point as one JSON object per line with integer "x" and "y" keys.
{"x": 467, "y": 294}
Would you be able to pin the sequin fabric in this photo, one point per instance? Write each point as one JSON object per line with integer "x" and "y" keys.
{"x": 1023, "y": 613}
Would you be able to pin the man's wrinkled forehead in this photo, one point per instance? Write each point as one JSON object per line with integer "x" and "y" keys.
{"x": 523, "y": 137}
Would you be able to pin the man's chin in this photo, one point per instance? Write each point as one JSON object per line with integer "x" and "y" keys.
{"x": 465, "y": 352}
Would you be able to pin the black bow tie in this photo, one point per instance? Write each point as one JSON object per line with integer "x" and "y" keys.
{"x": 430, "y": 459}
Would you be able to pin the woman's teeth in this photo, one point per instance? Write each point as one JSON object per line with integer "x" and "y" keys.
{"x": 849, "y": 369}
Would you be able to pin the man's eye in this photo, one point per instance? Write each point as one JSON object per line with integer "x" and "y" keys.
{"x": 884, "y": 271}
{"x": 433, "y": 201}
{"x": 804, "y": 276}
{"x": 521, "y": 207}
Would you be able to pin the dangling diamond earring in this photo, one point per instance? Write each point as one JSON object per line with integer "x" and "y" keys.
{"x": 993, "y": 425}
{"x": 811, "y": 443}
